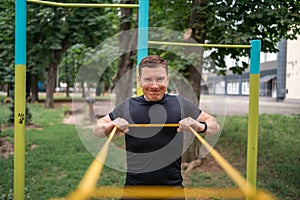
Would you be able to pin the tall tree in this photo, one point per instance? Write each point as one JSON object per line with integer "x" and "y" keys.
{"x": 70, "y": 25}
{"x": 70, "y": 64}
{"x": 227, "y": 22}
{"x": 123, "y": 79}
{"x": 34, "y": 65}
{"x": 7, "y": 38}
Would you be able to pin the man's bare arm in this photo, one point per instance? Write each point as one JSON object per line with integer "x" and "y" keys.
{"x": 212, "y": 125}
{"x": 205, "y": 123}
{"x": 105, "y": 125}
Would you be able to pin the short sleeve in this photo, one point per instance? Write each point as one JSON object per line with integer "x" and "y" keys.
{"x": 188, "y": 109}
{"x": 120, "y": 110}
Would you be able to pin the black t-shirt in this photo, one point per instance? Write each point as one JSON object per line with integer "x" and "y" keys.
{"x": 154, "y": 154}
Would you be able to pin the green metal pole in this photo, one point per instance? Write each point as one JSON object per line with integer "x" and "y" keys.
{"x": 19, "y": 100}
{"x": 253, "y": 113}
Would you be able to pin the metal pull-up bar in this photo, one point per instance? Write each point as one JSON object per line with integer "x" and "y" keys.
{"x": 83, "y": 5}
{"x": 20, "y": 83}
{"x": 20, "y": 79}
{"x": 198, "y": 45}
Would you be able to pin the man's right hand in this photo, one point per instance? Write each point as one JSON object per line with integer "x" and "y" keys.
{"x": 122, "y": 124}
{"x": 104, "y": 126}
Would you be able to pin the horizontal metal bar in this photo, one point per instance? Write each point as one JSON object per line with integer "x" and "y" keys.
{"x": 199, "y": 45}
{"x": 153, "y": 125}
{"x": 83, "y": 5}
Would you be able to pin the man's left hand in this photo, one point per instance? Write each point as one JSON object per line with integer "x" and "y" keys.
{"x": 185, "y": 123}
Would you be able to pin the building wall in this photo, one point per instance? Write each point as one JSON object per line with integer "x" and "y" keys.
{"x": 293, "y": 69}
{"x": 239, "y": 84}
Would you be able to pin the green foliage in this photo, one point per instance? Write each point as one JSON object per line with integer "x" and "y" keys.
{"x": 50, "y": 32}
{"x": 11, "y": 117}
{"x": 4, "y": 110}
{"x": 7, "y": 41}
{"x": 230, "y": 22}
{"x": 71, "y": 62}
{"x": 65, "y": 109}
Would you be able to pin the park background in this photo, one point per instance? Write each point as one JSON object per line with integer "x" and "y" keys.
{"x": 53, "y": 61}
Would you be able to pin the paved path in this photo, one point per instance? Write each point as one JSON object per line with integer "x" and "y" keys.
{"x": 239, "y": 106}
{"x": 229, "y": 106}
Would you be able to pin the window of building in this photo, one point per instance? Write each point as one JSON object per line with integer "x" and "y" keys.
{"x": 245, "y": 87}
{"x": 220, "y": 87}
{"x": 233, "y": 87}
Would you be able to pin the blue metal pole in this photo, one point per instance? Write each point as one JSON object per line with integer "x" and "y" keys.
{"x": 252, "y": 147}
{"x": 19, "y": 100}
{"x": 143, "y": 29}
{"x": 142, "y": 48}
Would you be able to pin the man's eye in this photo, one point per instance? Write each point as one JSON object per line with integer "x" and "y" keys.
{"x": 160, "y": 79}
{"x": 147, "y": 80}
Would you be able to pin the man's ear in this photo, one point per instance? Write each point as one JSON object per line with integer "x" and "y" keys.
{"x": 139, "y": 79}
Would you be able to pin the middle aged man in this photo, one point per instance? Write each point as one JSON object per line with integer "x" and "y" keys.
{"x": 153, "y": 154}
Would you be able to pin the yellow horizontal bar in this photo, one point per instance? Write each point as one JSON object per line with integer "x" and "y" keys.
{"x": 153, "y": 125}
{"x": 162, "y": 192}
{"x": 85, "y": 5}
{"x": 199, "y": 45}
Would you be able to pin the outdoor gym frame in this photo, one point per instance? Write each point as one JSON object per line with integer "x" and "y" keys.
{"x": 143, "y": 6}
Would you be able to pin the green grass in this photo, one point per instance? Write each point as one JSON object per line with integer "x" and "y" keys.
{"x": 278, "y": 152}
{"x": 2, "y": 97}
{"x": 55, "y": 167}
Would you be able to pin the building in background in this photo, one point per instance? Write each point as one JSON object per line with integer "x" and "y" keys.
{"x": 293, "y": 69}
{"x": 286, "y": 66}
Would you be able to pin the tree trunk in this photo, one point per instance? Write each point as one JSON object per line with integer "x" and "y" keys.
{"x": 123, "y": 79}
{"x": 8, "y": 89}
{"x": 68, "y": 84}
{"x": 28, "y": 85}
{"x": 82, "y": 89}
{"x": 52, "y": 73}
{"x": 67, "y": 90}
{"x": 194, "y": 73}
{"x": 34, "y": 88}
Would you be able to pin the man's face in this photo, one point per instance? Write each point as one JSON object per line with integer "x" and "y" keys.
{"x": 154, "y": 82}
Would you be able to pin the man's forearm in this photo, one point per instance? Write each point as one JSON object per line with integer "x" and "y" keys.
{"x": 212, "y": 127}
{"x": 101, "y": 129}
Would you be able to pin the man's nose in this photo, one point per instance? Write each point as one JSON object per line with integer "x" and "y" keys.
{"x": 154, "y": 84}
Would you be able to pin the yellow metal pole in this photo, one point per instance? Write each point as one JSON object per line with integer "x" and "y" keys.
{"x": 252, "y": 147}
{"x": 19, "y": 100}
{"x": 19, "y": 129}
{"x": 85, "y": 5}
{"x": 199, "y": 45}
